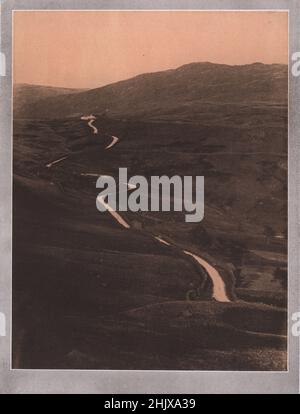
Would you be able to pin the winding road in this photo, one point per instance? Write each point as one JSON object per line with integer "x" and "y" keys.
{"x": 113, "y": 142}
{"x": 56, "y": 161}
{"x": 90, "y": 123}
{"x": 219, "y": 288}
{"x": 115, "y": 215}
{"x": 91, "y": 119}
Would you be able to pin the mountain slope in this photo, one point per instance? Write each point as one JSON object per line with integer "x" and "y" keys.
{"x": 174, "y": 94}
{"x": 25, "y": 95}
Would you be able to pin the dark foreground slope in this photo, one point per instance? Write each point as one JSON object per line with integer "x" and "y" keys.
{"x": 90, "y": 294}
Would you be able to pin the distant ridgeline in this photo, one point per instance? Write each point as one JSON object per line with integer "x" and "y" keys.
{"x": 196, "y": 92}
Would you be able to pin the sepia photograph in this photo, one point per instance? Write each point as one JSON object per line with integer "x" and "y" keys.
{"x": 150, "y": 165}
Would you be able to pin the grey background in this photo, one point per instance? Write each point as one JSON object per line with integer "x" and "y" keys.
{"x": 42, "y": 381}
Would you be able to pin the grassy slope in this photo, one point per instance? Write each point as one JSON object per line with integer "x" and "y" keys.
{"x": 86, "y": 291}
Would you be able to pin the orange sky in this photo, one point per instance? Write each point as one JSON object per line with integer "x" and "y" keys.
{"x": 90, "y": 49}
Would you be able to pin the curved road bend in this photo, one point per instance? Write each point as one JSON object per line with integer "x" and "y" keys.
{"x": 91, "y": 119}
{"x": 219, "y": 288}
{"x": 90, "y": 123}
{"x": 113, "y": 142}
